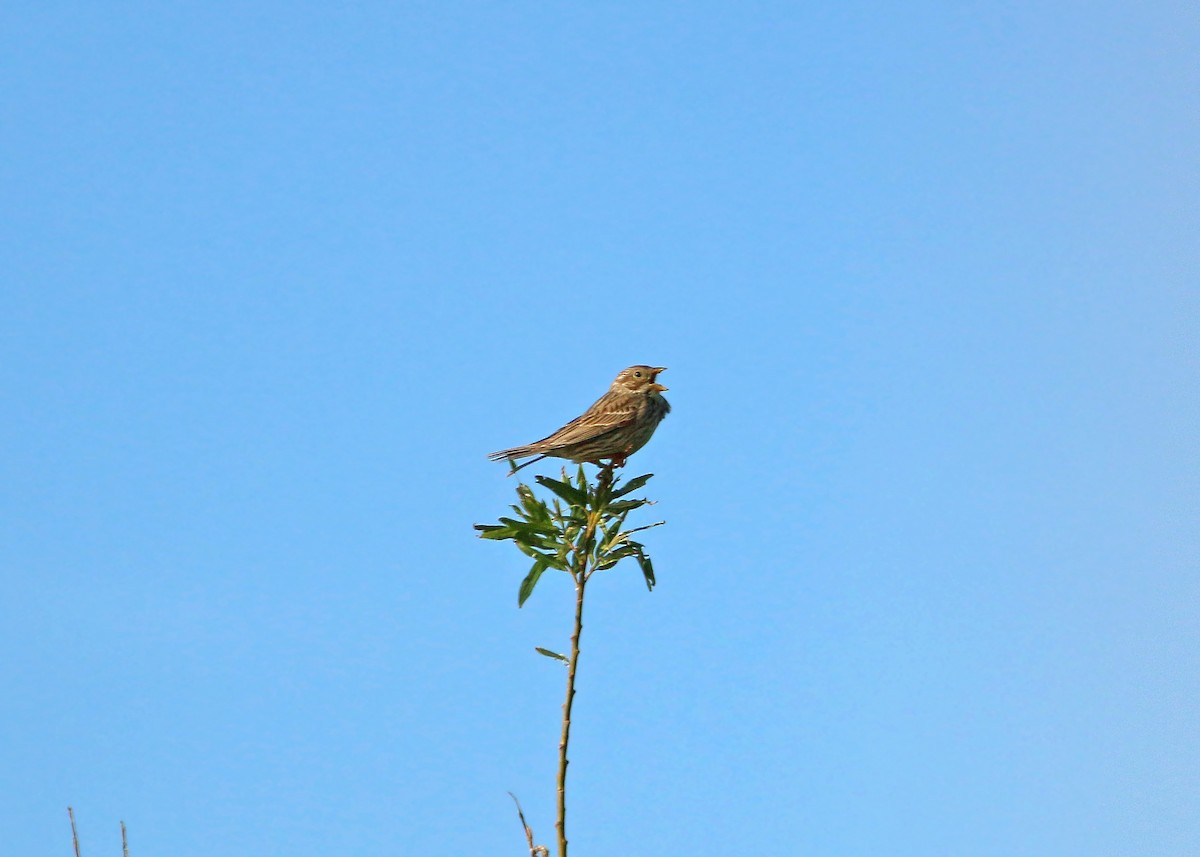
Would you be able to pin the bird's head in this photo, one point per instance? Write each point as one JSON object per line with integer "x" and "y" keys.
{"x": 639, "y": 379}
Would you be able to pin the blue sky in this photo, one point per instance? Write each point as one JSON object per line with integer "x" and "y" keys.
{"x": 276, "y": 277}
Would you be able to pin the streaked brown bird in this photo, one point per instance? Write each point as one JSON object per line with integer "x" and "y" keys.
{"x": 616, "y": 426}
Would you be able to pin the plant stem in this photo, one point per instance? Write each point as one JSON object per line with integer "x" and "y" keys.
{"x": 74, "y": 832}
{"x": 561, "y": 823}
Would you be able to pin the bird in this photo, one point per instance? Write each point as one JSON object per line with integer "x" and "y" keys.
{"x": 616, "y": 426}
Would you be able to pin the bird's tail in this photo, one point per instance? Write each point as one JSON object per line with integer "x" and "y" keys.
{"x": 515, "y": 452}
{"x": 516, "y": 467}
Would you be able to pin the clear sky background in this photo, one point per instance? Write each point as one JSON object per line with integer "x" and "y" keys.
{"x": 277, "y": 276}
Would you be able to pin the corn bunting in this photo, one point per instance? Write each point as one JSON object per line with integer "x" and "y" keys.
{"x": 615, "y": 427}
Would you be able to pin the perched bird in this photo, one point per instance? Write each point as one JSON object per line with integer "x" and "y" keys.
{"x": 615, "y": 427}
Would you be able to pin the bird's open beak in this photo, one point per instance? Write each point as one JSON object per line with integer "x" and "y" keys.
{"x": 655, "y": 386}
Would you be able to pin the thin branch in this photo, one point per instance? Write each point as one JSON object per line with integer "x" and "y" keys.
{"x": 580, "y": 573}
{"x": 124, "y": 842}
{"x": 561, "y": 823}
{"x": 74, "y": 832}
{"x": 534, "y": 850}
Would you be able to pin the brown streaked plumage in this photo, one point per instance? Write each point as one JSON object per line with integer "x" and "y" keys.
{"x": 616, "y": 426}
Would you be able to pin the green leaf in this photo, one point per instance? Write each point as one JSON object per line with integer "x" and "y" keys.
{"x": 647, "y": 568}
{"x": 624, "y": 506}
{"x": 610, "y": 535}
{"x": 568, "y": 492}
{"x": 491, "y": 531}
{"x": 550, "y": 560}
{"x": 639, "y": 529}
{"x": 615, "y": 556}
{"x": 609, "y": 560}
{"x": 529, "y": 582}
{"x": 541, "y": 528}
{"x": 632, "y": 485}
{"x": 534, "y": 509}
{"x": 528, "y": 550}
{"x": 550, "y": 654}
{"x": 527, "y": 531}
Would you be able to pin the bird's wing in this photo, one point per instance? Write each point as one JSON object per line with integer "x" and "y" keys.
{"x": 611, "y": 411}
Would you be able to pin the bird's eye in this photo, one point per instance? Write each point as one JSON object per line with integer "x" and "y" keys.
{"x": 637, "y": 374}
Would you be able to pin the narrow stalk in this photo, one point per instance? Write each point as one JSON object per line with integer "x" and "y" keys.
{"x": 572, "y": 663}
{"x": 580, "y": 574}
{"x": 74, "y": 832}
{"x": 534, "y": 850}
